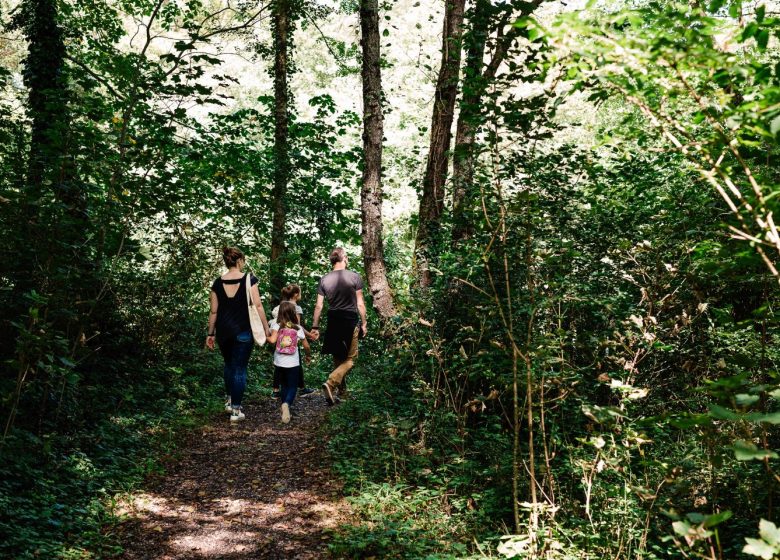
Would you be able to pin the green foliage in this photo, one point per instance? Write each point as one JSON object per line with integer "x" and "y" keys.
{"x": 58, "y": 494}
{"x": 768, "y": 546}
{"x": 414, "y": 494}
{"x": 104, "y": 275}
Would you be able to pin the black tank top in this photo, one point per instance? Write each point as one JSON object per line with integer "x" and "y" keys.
{"x": 232, "y": 312}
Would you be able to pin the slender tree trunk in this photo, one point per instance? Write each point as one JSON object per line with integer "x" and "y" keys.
{"x": 468, "y": 122}
{"x": 281, "y": 146}
{"x": 478, "y": 74}
{"x": 371, "y": 192}
{"x": 432, "y": 200}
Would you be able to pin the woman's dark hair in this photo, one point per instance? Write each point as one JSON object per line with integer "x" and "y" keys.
{"x": 287, "y": 315}
{"x": 290, "y": 291}
{"x": 337, "y": 255}
{"x": 231, "y": 256}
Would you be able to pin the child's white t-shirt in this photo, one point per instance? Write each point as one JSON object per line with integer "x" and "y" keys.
{"x": 287, "y": 360}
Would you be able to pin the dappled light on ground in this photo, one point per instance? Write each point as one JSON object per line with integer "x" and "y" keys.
{"x": 259, "y": 489}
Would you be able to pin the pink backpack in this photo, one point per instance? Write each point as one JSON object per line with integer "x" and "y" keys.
{"x": 287, "y": 340}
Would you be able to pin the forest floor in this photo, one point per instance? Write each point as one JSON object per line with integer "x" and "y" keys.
{"x": 255, "y": 489}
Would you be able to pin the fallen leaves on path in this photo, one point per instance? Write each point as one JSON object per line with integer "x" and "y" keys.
{"x": 258, "y": 489}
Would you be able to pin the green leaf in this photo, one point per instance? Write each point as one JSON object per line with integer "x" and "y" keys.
{"x": 774, "y": 126}
{"x": 745, "y": 451}
{"x": 770, "y": 418}
{"x": 744, "y": 399}
{"x": 757, "y": 547}
{"x": 769, "y": 532}
{"x": 760, "y": 12}
{"x": 749, "y": 31}
{"x": 722, "y": 413}
{"x": 681, "y": 527}
{"x": 762, "y": 39}
{"x": 717, "y": 518}
{"x": 716, "y": 5}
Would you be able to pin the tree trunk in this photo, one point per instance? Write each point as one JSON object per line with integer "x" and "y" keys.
{"x": 468, "y": 123}
{"x": 371, "y": 192}
{"x": 44, "y": 75}
{"x": 477, "y": 76}
{"x": 432, "y": 201}
{"x": 281, "y": 147}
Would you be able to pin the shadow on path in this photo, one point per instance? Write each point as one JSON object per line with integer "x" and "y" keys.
{"x": 258, "y": 489}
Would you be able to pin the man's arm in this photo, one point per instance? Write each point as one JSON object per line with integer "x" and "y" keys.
{"x": 361, "y": 305}
{"x": 315, "y": 322}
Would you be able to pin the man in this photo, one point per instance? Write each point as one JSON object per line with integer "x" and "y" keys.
{"x": 346, "y": 319}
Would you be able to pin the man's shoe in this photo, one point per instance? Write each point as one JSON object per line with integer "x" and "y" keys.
{"x": 237, "y": 415}
{"x": 328, "y": 392}
{"x": 306, "y": 391}
{"x": 285, "y": 413}
{"x": 276, "y": 394}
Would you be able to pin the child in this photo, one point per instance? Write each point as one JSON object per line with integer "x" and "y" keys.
{"x": 287, "y": 333}
{"x": 292, "y": 293}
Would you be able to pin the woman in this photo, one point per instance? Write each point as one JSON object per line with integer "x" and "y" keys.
{"x": 229, "y": 326}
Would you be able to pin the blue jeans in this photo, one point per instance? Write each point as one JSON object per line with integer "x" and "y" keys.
{"x": 288, "y": 378}
{"x": 236, "y": 352}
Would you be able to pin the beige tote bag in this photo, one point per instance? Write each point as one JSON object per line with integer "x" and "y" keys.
{"x": 258, "y": 332}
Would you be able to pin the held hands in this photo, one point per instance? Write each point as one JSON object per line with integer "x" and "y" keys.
{"x": 315, "y": 334}
{"x": 210, "y": 342}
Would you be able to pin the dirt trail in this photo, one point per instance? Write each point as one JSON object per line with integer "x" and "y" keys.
{"x": 258, "y": 489}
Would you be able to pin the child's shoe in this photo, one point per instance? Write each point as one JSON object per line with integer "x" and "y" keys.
{"x": 305, "y": 391}
{"x": 237, "y": 415}
{"x": 276, "y": 394}
{"x": 285, "y": 413}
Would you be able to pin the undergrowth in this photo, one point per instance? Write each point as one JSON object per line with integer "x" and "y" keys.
{"x": 58, "y": 493}
{"x": 416, "y": 491}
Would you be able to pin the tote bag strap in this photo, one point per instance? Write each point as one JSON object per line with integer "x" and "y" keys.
{"x": 248, "y": 287}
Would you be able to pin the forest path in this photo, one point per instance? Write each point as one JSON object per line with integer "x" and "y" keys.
{"x": 255, "y": 489}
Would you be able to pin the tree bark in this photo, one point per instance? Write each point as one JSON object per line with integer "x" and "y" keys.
{"x": 468, "y": 122}
{"x": 432, "y": 200}
{"x": 477, "y": 76}
{"x": 371, "y": 191}
{"x": 277, "y": 263}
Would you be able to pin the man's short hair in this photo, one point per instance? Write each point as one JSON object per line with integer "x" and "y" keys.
{"x": 337, "y": 255}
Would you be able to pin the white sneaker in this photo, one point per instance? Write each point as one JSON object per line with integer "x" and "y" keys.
{"x": 285, "y": 413}
{"x": 228, "y": 406}
{"x": 236, "y": 415}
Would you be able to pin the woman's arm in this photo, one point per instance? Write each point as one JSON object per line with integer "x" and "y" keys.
{"x": 259, "y": 304}
{"x": 212, "y": 321}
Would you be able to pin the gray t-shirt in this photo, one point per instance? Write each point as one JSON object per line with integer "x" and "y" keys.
{"x": 339, "y": 287}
